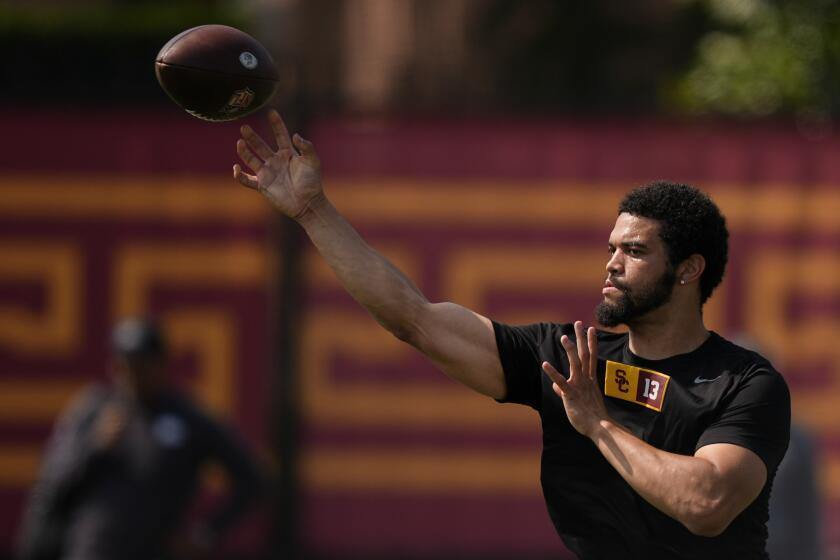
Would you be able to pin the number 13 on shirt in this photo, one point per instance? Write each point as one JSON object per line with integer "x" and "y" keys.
{"x": 636, "y": 385}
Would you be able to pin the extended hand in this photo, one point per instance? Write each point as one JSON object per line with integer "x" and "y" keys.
{"x": 580, "y": 393}
{"x": 289, "y": 177}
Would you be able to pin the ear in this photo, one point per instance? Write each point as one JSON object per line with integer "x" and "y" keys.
{"x": 691, "y": 269}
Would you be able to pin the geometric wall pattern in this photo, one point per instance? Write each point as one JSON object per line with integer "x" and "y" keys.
{"x": 76, "y": 253}
{"x": 396, "y": 457}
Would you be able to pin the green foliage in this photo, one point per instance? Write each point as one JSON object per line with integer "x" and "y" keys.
{"x": 763, "y": 57}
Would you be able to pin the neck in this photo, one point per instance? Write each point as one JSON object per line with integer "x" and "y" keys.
{"x": 668, "y": 331}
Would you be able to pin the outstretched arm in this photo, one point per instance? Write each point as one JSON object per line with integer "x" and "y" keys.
{"x": 704, "y": 492}
{"x": 459, "y": 341}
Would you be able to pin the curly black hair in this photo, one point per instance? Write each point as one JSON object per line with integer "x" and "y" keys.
{"x": 690, "y": 223}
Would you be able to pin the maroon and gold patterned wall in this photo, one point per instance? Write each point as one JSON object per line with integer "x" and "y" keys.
{"x": 125, "y": 214}
{"x": 136, "y": 214}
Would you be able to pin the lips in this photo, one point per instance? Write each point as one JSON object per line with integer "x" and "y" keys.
{"x": 610, "y": 286}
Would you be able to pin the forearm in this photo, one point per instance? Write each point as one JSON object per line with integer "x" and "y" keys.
{"x": 459, "y": 341}
{"x": 685, "y": 488}
{"x": 390, "y": 296}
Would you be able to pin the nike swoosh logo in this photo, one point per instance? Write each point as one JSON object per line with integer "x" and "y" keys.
{"x": 699, "y": 379}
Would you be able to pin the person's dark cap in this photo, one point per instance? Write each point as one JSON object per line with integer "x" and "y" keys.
{"x": 134, "y": 337}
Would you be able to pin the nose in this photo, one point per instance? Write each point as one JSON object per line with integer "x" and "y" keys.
{"x": 615, "y": 265}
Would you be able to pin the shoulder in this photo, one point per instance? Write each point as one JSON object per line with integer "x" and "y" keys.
{"x": 542, "y": 334}
{"x": 534, "y": 333}
{"x": 745, "y": 362}
{"x": 753, "y": 372}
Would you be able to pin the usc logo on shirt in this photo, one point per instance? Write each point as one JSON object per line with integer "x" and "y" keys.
{"x": 636, "y": 385}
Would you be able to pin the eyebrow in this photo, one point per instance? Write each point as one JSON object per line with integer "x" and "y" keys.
{"x": 630, "y": 245}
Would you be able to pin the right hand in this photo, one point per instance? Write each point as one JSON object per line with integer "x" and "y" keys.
{"x": 109, "y": 425}
{"x": 289, "y": 177}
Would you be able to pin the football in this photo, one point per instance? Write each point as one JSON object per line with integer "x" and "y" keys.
{"x": 216, "y": 73}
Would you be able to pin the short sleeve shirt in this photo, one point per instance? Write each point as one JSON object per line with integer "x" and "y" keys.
{"x": 719, "y": 393}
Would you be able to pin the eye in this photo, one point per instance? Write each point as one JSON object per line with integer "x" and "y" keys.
{"x": 611, "y": 249}
{"x": 634, "y": 252}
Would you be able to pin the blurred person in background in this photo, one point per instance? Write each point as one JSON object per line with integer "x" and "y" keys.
{"x": 124, "y": 461}
{"x": 678, "y": 462}
{"x": 795, "y": 525}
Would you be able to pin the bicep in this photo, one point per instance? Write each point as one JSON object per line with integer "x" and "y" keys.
{"x": 749, "y": 437}
{"x": 741, "y": 475}
{"x": 462, "y": 343}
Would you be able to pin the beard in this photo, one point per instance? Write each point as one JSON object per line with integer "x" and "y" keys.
{"x": 631, "y": 304}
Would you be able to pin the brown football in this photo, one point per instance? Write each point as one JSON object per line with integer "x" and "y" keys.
{"x": 216, "y": 72}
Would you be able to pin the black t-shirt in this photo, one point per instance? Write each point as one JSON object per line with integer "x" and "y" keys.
{"x": 719, "y": 393}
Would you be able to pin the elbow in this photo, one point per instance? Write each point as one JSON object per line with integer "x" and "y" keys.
{"x": 707, "y": 520}
{"x": 407, "y": 327}
{"x": 404, "y": 332}
{"x": 705, "y": 528}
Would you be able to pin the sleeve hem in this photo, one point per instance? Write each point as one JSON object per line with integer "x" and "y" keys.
{"x": 747, "y": 444}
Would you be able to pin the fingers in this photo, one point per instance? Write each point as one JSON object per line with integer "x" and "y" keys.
{"x": 560, "y": 382}
{"x": 249, "y": 181}
{"x": 305, "y": 148}
{"x": 247, "y": 156}
{"x": 571, "y": 352}
{"x": 256, "y": 143}
{"x": 583, "y": 352}
{"x": 582, "y": 347}
{"x": 592, "y": 342}
{"x": 281, "y": 134}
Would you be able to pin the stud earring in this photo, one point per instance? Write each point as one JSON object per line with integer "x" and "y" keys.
{"x": 682, "y": 282}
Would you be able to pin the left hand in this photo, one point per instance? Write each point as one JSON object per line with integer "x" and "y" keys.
{"x": 581, "y": 394}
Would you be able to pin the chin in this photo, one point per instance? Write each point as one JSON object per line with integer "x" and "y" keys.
{"x": 607, "y": 316}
